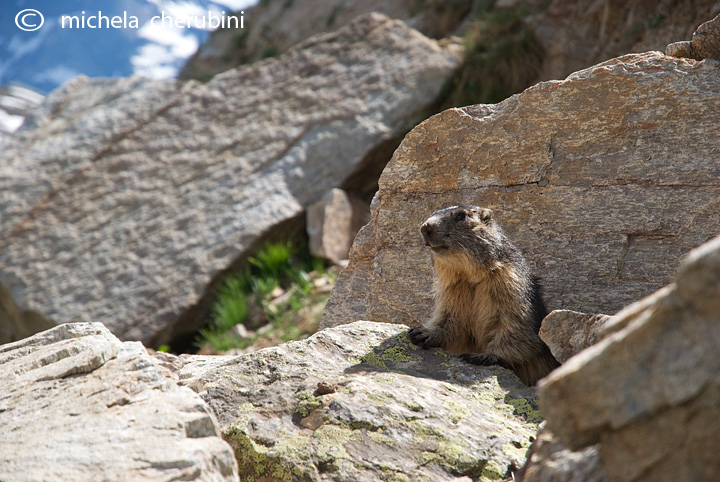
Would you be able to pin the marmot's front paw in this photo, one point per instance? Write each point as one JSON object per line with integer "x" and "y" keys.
{"x": 423, "y": 337}
{"x": 486, "y": 359}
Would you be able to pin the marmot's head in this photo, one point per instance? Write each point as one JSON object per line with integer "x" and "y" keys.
{"x": 469, "y": 230}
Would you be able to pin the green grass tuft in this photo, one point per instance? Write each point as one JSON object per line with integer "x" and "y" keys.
{"x": 246, "y": 298}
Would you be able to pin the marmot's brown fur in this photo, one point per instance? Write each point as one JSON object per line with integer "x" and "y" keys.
{"x": 488, "y": 306}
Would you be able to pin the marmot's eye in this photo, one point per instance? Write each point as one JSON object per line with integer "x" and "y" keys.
{"x": 460, "y": 216}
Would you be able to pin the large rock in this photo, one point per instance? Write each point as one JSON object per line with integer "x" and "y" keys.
{"x": 274, "y": 27}
{"x": 603, "y": 180}
{"x": 649, "y": 393}
{"x": 78, "y": 404}
{"x": 123, "y": 198}
{"x": 360, "y": 402}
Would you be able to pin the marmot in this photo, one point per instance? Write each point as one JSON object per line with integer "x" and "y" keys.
{"x": 488, "y": 307}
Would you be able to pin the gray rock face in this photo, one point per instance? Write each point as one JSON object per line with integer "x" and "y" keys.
{"x": 122, "y": 199}
{"x": 649, "y": 393}
{"x": 360, "y": 402}
{"x": 78, "y": 404}
{"x": 602, "y": 197}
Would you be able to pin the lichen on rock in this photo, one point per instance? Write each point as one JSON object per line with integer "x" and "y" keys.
{"x": 395, "y": 413}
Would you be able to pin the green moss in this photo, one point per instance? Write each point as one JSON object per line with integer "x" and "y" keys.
{"x": 404, "y": 340}
{"x": 486, "y": 392}
{"x": 253, "y": 460}
{"x": 426, "y": 458}
{"x": 441, "y": 352}
{"x": 363, "y": 425}
{"x": 423, "y": 433}
{"x": 526, "y": 409}
{"x": 373, "y": 360}
{"x": 385, "y": 379}
{"x": 307, "y": 402}
{"x": 454, "y": 453}
{"x": 516, "y": 450}
{"x": 492, "y": 471}
{"x": 241, "y": 423}
{"x": 331, "y": 441}
{"x": 456, "y": 456}
{"x": 415, "y": 407}
{"x": 392, "y": 475}
{"x": 451, "y": 387}
{"x": 381, "y": 397}
{"x": 380, "y": 438}
{"x": 398, "y": 354}
{"x": 246, "y": 407}
{"x": 458, "y": 411}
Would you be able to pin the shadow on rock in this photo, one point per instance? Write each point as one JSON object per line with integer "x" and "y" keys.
{"x": 397, "y": 354}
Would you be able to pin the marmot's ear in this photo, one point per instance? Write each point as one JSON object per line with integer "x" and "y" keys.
{"x": 485, "y": 214}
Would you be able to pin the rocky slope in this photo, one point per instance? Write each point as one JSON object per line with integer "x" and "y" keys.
{"x": 123, "y": 199}
{"x": 572, "y": 35}
{"x": 604, "y": 180}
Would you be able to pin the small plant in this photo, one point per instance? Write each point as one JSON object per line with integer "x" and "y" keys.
{"x": 273, "y": 260}
{"x": 231, "y": 307}
{"x": 247, "y": 298}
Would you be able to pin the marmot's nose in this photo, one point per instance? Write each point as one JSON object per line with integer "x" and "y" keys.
{"x": 426, "y": 230}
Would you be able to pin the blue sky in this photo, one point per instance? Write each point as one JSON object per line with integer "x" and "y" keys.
{"x": 50, "y": 55}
